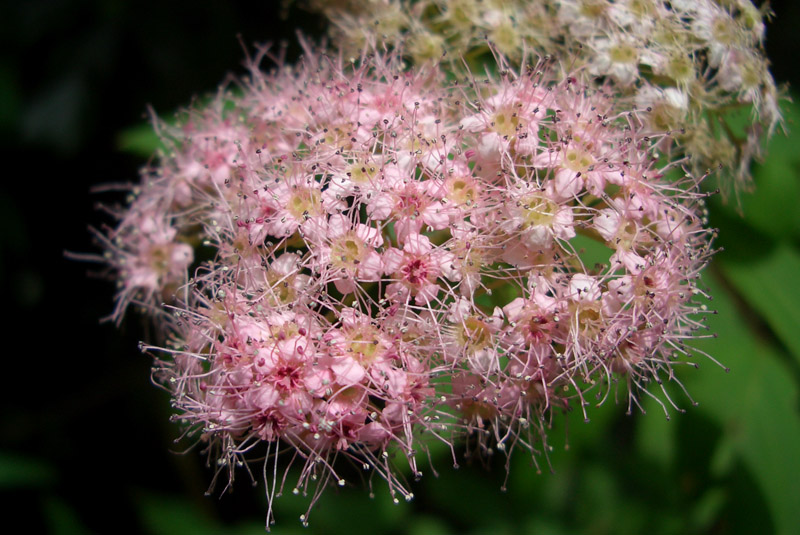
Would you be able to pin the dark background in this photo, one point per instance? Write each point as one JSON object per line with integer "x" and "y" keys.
{"x": 78, "y": 412}
{"x": 82, "y": 430}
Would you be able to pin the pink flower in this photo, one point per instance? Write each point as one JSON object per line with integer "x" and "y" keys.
{"x": 416, "y": 268}
{"x": 351, "y": 227}
{"x": 347, "y": 253}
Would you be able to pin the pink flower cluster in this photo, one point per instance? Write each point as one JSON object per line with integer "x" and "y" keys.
{"x": 358, "y": 259}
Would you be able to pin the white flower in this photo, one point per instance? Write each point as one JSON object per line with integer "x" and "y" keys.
{"x": 617, "y": 57}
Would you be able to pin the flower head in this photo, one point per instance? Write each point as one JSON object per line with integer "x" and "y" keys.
{"x": 353, "y": 232}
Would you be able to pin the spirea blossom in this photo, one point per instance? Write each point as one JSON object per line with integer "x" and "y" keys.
{"x": 356, "y": 259}
{"x": 688, "y": 62}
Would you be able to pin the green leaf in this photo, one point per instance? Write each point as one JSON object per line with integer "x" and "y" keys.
{"x": 17, "y": 471}
{"x": 770, "y": 283}
{"x": 428, "y": 525}
{"x": 655, "y": 435}
{"x": 591, "y": 251}
{"x": 140, "y": 140}
{"x": 172, "y": 515}
{"x": 62, "y": 520}
{"x": 772, "y": 208}
{"x": 756, "y": 405}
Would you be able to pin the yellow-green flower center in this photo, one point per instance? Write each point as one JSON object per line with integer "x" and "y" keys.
{"x": 593, "y": 8}
{"x": 538, "y": 210}
{"x": 363, "y": 344}
{"x": 623, "y": 53}
{"x": 723, "y": 31}
{"x": 462, "y": 190}
{"x": 578, "y": 160}
{"x": 304, "y": 203}
{"x": 281, "y": 288}
{"x": 505, "y": 122}
{"x": 361, "y": 173}
{"x": 473, "y": 334}
{"x": 680, "y": 68}
{"x": 347, "y": 252}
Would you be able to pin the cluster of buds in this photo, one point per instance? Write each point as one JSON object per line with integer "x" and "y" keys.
{"x": 690, "y": 61}
{"x": 357, "y": 259}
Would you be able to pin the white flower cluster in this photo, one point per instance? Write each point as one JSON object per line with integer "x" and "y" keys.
{"x": 690, "y": 62}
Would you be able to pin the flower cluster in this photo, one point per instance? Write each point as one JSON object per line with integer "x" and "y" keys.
{"x": 690, "y": 62}
{"x": 359, "y": 258}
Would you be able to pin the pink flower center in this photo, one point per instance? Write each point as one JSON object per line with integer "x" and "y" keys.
{"x": 410, "y": 204}
{"x": 213, "y": 160}
{"x": 538, "y": 329}
{"x": 415, "y": 271}
{"x": 287, "y": 377}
